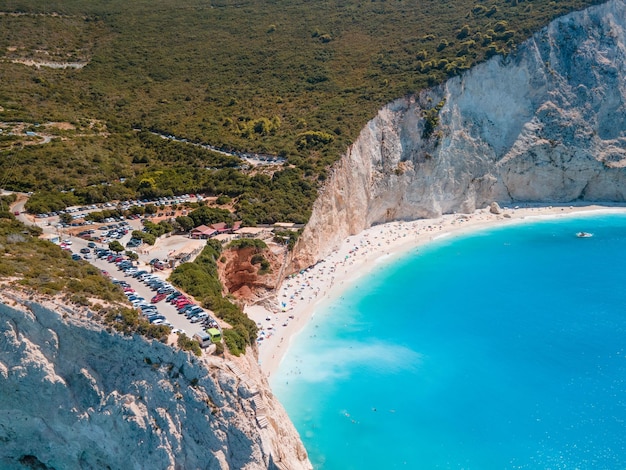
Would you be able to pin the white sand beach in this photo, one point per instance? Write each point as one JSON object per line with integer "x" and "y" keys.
{"x": 358, "y": 255}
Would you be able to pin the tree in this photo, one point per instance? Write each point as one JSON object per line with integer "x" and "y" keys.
{"x": 66, "y": 218}
{"x": 131, "y": 255}
{"x": 210, "y": 215}
{"x": 185, "y": 222}
{"x": 223, "y": 199}
{"x": 116, "y": 246}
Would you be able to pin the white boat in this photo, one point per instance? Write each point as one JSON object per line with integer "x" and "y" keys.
{"x": 584, "y": 235}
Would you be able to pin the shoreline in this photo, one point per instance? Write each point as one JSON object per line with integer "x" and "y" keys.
{"x": 301, "y": 294}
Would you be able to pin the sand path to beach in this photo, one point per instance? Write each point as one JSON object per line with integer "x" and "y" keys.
{"x": 300, "y": 294}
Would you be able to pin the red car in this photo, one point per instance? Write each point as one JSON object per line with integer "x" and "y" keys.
{"x": 157, "y": 298}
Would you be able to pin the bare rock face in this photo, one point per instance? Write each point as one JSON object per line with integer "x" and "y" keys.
{"x": 240, "y": 273}
{"x": 545, "y": 124}
{"x": 73, "y": 396}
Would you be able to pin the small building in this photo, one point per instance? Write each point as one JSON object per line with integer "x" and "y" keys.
{"x": 202, "y": 232}
{"x": 221, "y": 227}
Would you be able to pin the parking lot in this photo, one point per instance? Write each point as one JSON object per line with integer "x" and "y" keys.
{"x": 85, "y": 238}
{"x": 175, "y": 319}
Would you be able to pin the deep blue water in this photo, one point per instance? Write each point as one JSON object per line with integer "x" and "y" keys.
{"x": 501, "y": 349}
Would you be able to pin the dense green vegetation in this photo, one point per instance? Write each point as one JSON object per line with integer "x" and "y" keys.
{"x": 128, "y": 321}
{"x": 6, "y": 201}
{"x": 297, "y": 79}
{"x": 247, "y": 243}
{"x": 200, "y": 279}
{"x": 205, "y": 215}
{"x": 43, "y": 267}
{"x": 186, "y": 343}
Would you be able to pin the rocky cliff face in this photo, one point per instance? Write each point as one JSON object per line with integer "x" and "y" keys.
{"x": 74, "y": 396}
{"x": 546, "y": 124}
{"x": 240, "y": 276}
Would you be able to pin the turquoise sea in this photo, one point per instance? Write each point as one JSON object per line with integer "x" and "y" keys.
{"x": 504, "y": 348}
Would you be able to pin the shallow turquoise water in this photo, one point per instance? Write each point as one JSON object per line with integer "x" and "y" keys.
{"x": 501, "y": 349}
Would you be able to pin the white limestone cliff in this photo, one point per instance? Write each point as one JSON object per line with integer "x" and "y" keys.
{"x": 73, "y": 396}
{"x": 545, "y": 124}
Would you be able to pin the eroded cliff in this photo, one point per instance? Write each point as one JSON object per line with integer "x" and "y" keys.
{"x": 75, "y": 396}
{"x": 545, "y": 124}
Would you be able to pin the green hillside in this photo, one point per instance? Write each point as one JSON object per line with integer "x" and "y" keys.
{"x": 297, "y": 79}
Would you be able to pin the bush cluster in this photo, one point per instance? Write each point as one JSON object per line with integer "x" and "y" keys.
{"x": 42, "y": 266}
{"x": 241, "y": 243}
{"x": 200, "y": 279}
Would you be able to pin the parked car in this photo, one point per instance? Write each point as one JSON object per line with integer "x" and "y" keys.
{"x": 157, "y": 298}
{"x": 199, "y": 317}
{"x": 157, "y": 317}
{"x": 133, "y": 243}
{"x": 182, "y": 304}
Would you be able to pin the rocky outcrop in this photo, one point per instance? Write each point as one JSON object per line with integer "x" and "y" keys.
{"x": 74, "y": 396}
{"x": 545, "y": 124}
{"x": 242, "y": 274}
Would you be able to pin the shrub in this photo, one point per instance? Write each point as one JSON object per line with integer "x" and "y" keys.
{"x": 116, "y": 246}
{"x": 265, "y": 268}
{"x": 185, "y": 343}
{"x": 500, "y": 26}
{"x": 431, "y": 119}
{"x": 144, "y": 236}
{"x": 313, "y": 140}
{"x": 234, "y": 341}
{"x": 256, "y": 259}
{"x": 247, "y": 243}
{"x": 464, "y": 32}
